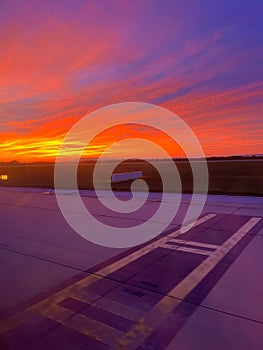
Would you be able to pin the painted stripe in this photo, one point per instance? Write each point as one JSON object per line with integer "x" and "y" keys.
{"x": 44, "y": 304}
{"x": 119, "y": 309}
{"x": 143, "y": 251}
{"x": 186, "y": 249}
{"x": 198, "y": 244}
{"x": 84, "y": 295}
{"x": 146, "y": 325}
{"x": 107, "y": 304}
{"x": 56, "y": 312}
{"x": 196, "y": 276}
{"x": 85, "y": 325}
{"x": 56, "y": 298}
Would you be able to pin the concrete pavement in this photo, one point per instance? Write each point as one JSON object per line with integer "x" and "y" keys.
{"x": 198, "y": 290}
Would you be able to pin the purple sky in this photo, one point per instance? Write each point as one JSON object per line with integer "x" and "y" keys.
{"x": 62, "y": 59}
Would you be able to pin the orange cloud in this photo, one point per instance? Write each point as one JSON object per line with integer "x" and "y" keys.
{"x": 58, "y": 64}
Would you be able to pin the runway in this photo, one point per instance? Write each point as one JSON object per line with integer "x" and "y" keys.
{"x": 196, "y": 290}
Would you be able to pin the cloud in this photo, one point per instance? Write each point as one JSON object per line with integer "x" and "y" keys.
{"x": 59, "y": 63}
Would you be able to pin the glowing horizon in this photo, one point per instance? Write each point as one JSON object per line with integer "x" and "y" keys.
{"x": 60, "y": 61}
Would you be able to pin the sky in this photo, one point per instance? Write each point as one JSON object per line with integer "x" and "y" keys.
{"x": 61, "y": 60}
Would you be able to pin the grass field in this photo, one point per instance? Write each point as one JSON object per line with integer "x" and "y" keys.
{"x": 241, "y": 177}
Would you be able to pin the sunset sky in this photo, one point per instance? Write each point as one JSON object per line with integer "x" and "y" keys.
{"x": 63, "y": 59}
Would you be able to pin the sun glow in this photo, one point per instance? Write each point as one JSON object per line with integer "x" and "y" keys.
{"x": 43, "y": 150}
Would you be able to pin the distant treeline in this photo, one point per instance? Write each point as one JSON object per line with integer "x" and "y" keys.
{"x": 93, "y": 160}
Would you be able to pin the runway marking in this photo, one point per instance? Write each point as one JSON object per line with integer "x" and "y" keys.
{"x": 186, "y": 249}
{"x": 110, "y": 305}
{"x": 51, "y": 301}
{"x": 145, "y": 322}
{"x": 143, "y": 251}
{"x": 198, "y": 244}
{"x": 146, "y": 325}
{"x": 83, "y": 324}
{"x": 183, "y": 288}
{"x": 189, "y": 246}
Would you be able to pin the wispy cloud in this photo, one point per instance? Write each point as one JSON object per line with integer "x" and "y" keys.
{"x": 60, "y": 62}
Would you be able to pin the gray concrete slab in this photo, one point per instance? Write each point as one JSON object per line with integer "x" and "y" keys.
{"x": 208, "y": 329}
{"x": 221, "y": 209}
{"x": 240, "y": 290}
{"x": 47, "y": 235}
{"x": 250, "y": 211}
{"x": 23, "y": 277}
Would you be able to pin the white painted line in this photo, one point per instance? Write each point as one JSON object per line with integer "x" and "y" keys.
{"x": 146, "y": 325}
{"x": 197, "y": 244}
{"x": 143, "y": 251}
{"x": 196, "y": 276}
{"x": 59, "y": 296}
{"x": 186, "y": 249}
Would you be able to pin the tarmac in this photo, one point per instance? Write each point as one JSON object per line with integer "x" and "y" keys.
{"x": 199, "y": 290}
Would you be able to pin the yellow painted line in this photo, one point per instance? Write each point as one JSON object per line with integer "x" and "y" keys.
{"x": 85, "y": 325}
{"x": 84, "y": 295}
{"x": 59, "y": 296}
{"x": 146, "y": 325}
{"x": 119, "y": 309}
{"x": 197, "y": 244}
{"x": 110, "y": 305}
{"x": 44, "y": 304}
{"x": 14, "y": 321}
{"x": 56, "y": 312}
{"x": 186, "y": 249}
{"x": 107, "y": 304}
